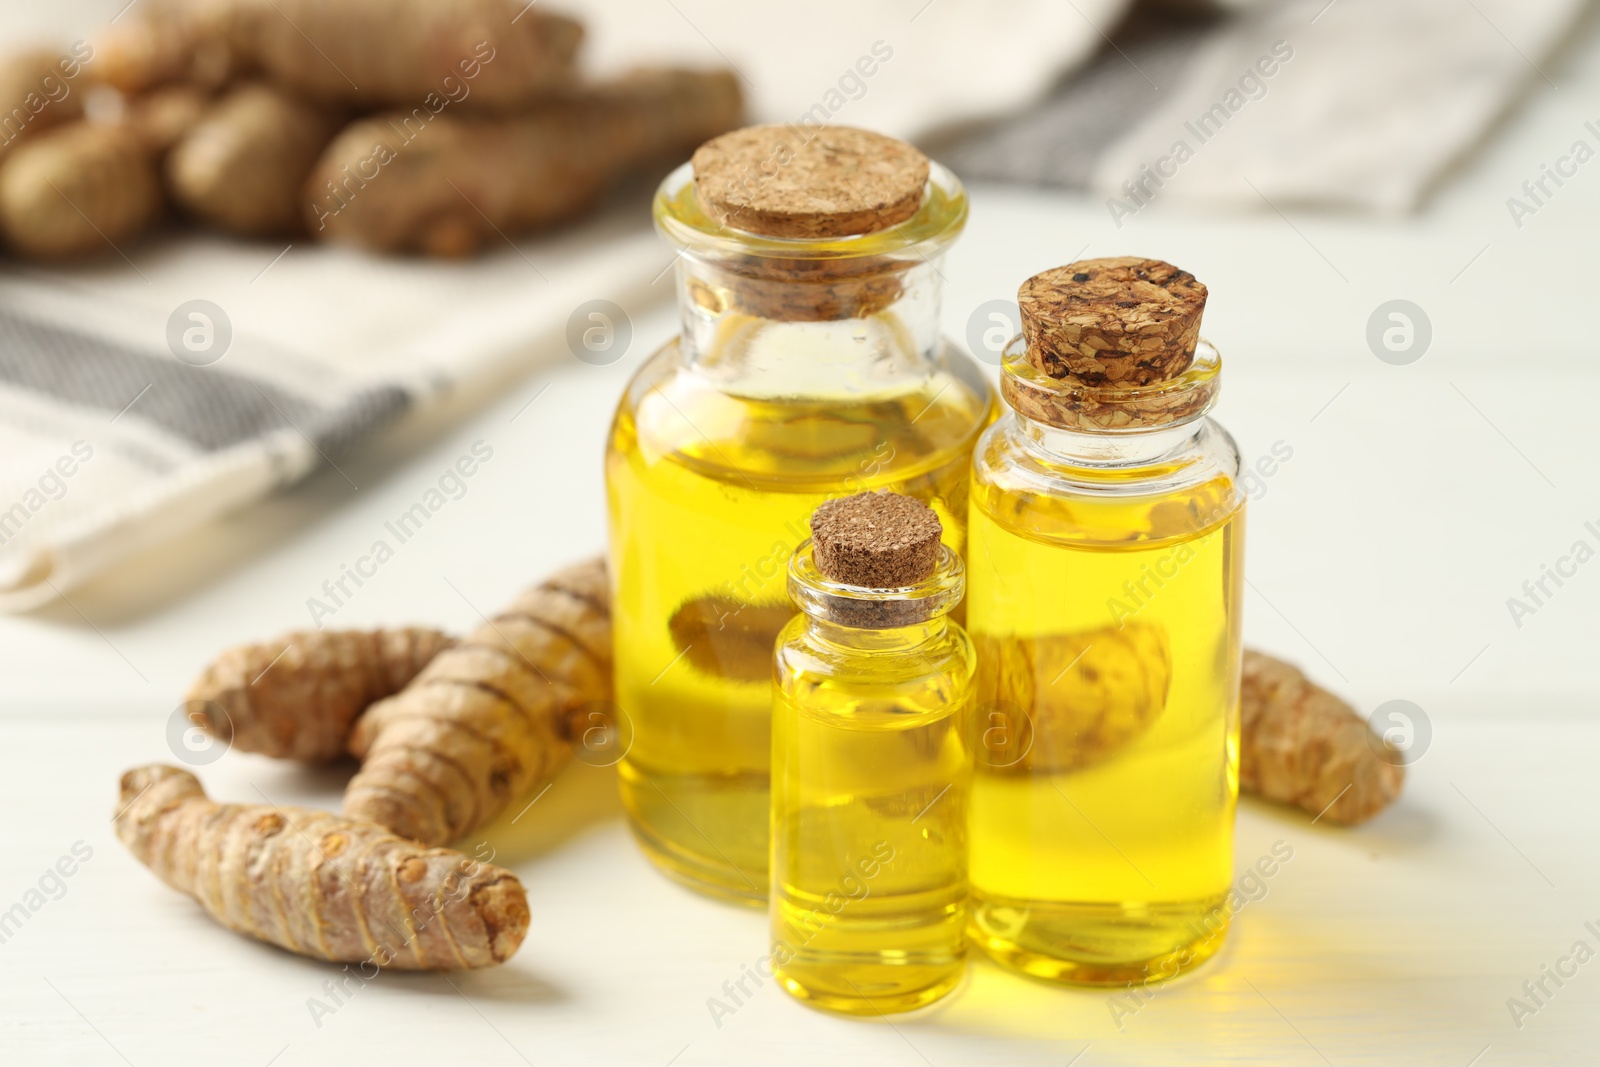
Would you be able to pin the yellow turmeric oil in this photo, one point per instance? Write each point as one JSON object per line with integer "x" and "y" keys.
{"x": 781, "y": 393}
{"x": 705, "y": 528}
{"x": 870, "y": 779}
{"x": 1105, "y": 580}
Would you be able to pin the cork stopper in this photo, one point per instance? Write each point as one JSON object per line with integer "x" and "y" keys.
{"x": 876, "y": 540}
{"x": 804, "y": 290}
{"x": 1095, "y": 409}
{"x": 1124, "y": 321}
{"x": 841, "y": 182}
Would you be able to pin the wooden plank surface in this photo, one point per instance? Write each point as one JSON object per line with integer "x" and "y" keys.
{"x": 1418, "y": 501}
{"x": 1397, "y": 943}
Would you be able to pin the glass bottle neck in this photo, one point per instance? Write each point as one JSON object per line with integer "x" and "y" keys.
{"x": 875, "y": 619}
{"x": 868, "y": 329}
{"x": 776, "y": 317}
{"x": 1110, "y": 425}
{"x": 1087, "y": 449}
{"x": 887, "y": 640}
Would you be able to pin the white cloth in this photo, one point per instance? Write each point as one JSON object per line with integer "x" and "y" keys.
{"x": 1379, "y": 100}
{"x": 934, "y": 63}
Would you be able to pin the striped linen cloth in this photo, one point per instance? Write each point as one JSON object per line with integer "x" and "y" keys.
{"x": 125, "y": 419}
{"x": 1350, "y": 104}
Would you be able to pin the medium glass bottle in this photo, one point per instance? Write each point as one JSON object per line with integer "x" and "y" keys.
{"x": 870, "y": 765}
{"x": 1106, "y": 544}
{"x": 809, "y": 366}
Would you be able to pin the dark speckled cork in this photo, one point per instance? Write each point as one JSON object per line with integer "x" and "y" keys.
{"x": 1125, "y": 321}
{"x": 876, "y": 540}
{"x": 839, "y": 182}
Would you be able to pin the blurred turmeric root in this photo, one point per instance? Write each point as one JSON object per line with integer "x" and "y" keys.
{"x": 385, "y": 52}
{"x": 243, "y": 165}
{"x": 37, "y": 93}
{"x": 370, "y": 52}
{"x": 70, "y": 186}
{"x": 78, "y": 188}
{"x": 444, "y": 183}
{"x": 165, "y": 42}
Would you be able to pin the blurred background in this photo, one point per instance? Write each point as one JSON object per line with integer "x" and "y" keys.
{"x": 1395, "y": 204}
{"x": 1324, "y": 167}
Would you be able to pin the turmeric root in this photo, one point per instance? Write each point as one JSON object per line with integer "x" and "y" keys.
{"x": 161, "y": 42}
{"x": 1301, "y": 745}
{"x": 77, "y": 189}
{"x": 297, "y": 697}
{"x": 36, "y": 94}
{"x": 446, "y": 183}
{"x": 318, "y": 884}
{"x": 500, "y": 713}
{"x": 488, "y": 719}
{"x": 243, "y": 166}
{"x": 1062, "y": 701}
{"x": 378, "y": 52}
{"x": 163, "y": 117}
{"x": 91, "y": 183}
{"x": 726, "y": 638}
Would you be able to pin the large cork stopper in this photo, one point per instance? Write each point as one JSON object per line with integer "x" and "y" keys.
{"x": 876, "y": 540}
{"x": 1125, "y": 321}
{"x": 838, "y": 182}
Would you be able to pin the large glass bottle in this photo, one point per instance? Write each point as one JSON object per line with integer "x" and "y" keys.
{"x": 1104, "y": 561}
{"x": 806, "y": 369}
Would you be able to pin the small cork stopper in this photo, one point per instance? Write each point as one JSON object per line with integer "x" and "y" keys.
{"x": 841, "y": 182}
{"x": 878, "y": 540}
{"x": 1123, "y": 321}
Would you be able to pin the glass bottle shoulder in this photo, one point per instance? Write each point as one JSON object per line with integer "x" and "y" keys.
{"x": 1043, "y": 489}
{"x": 901, "y": 683}
{"x": 808, "y": 431}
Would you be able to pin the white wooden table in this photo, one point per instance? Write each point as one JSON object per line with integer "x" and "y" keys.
{"x": 1417, "y": 500}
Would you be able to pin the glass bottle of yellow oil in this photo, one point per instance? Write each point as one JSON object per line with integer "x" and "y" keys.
{"x": 1105, "y": 553}
{"x": 870, "y": 763}
{"x": 809, "y": 366}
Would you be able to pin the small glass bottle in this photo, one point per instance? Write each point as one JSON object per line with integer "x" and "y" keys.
{"x": 1106, "y": 559}
{"x": 870, "y": 765}
{"x": 810, "y": 366}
